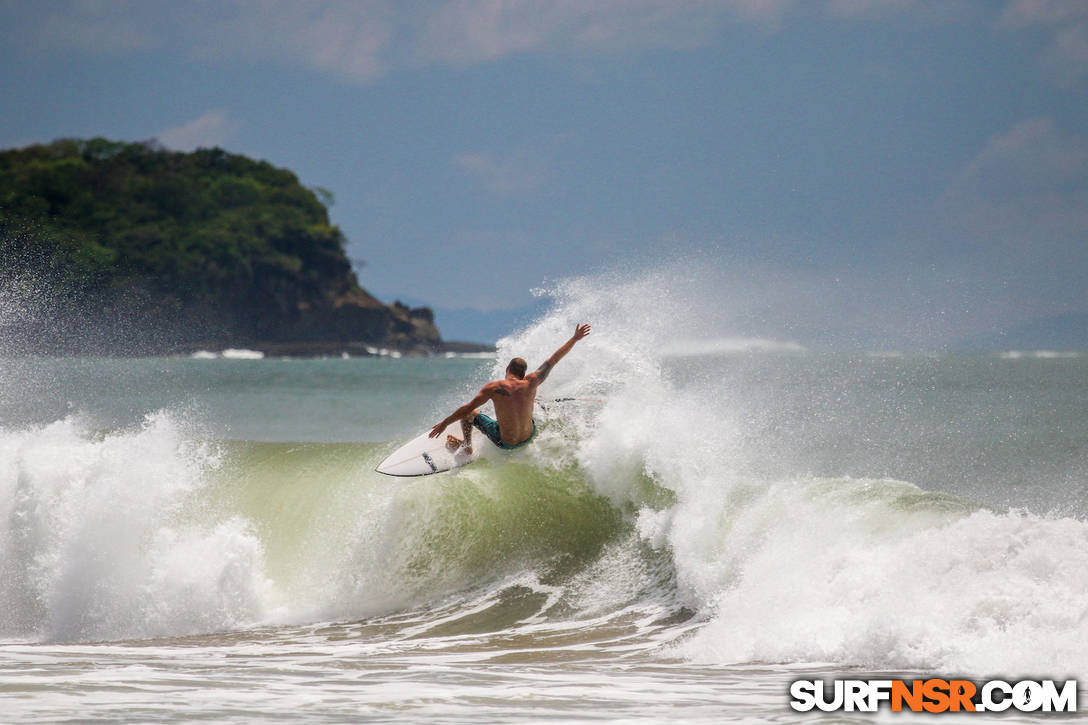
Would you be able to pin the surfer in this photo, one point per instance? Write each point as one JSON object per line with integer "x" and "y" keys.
{"x": 513, "y": 397}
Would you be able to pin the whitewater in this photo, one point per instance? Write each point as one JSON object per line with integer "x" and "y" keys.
{"x": 703, "y": 518}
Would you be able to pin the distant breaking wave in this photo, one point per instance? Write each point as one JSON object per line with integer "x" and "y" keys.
{"x": 228, "y": 354}
{"x": 1039, "y": 354}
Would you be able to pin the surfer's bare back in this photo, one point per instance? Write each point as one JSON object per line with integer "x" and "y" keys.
{"x": 513, "y": 397}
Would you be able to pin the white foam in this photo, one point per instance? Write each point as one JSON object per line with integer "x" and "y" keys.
{"x": 1039, "y": 354}
{"x": 242, "y": 354}
{"x": 859, "y": 572}
{"x": 95, "y": 543}
{"x": 833, "y": 571}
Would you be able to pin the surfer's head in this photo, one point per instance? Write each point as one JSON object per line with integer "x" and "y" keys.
{"x": 517, "y": 367}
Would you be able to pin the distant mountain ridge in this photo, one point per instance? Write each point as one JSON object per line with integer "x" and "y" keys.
{"x": 129, "y": 248}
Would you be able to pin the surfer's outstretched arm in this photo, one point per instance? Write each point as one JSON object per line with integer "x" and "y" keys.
{"x": 541, "y": 374}
{"x": 461, "y": 413}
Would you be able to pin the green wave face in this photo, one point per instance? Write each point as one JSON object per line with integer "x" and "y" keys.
{"x": 343, "y": 541}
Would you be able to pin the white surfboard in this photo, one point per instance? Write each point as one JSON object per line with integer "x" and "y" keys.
{"x": 424, "y": 455}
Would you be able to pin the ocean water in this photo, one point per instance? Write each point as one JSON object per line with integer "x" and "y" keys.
{"x": 701, "y": 521}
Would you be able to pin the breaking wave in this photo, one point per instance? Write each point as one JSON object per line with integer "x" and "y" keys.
{"x": 660, "y": 486}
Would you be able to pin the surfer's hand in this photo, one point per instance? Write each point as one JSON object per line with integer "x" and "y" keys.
{"x": 580, "y": 331}
{"x": 437, "y": 430}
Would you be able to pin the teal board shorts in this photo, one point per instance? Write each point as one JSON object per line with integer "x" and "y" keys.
{"x": 490, "y": 428}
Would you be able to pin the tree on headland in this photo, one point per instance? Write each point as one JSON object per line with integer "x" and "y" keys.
{"x": 183, "y": 249}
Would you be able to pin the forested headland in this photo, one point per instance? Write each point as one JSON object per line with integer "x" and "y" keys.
{"x": 128, "y": 248}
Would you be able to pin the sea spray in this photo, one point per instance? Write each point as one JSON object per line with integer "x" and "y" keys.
{"x": 94, "y": 545}
{"x": 783, "y": 562}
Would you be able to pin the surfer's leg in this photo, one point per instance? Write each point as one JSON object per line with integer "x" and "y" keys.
{"x": 489, "y": 427}
{"x": 466, "y": 430}
{"x": 453, "y": 442}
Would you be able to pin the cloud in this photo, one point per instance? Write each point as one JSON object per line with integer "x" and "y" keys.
{"x": 1033, "y": 154}
{"x": 1024, "y": 13}
{"x": 362, "y": 41}
{"x": 1066, "y": 55}
{"x": 346, "y": 39}
{"x": 1025, "y": 195}
{"x": 855, "y": 8}
{"x": 115, "y": 28}
{"x": 918, "y": 11}
{"x": 213, "y": 128}
{"x": 467, "y": 32}
{"x": 515, "y": 174}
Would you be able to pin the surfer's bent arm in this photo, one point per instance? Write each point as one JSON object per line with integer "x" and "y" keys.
{"x": 481, "y": 397}
{"x": 541, "y": 374}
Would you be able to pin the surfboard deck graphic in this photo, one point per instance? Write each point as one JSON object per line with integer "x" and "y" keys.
{"x": 424, "y": 456}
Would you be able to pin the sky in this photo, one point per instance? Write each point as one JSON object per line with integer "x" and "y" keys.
{"x": 889, "y": 173}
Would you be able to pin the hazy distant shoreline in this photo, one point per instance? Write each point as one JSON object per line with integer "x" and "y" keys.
{"x": 258, "y": 350}
{"x": 336, "y": 349}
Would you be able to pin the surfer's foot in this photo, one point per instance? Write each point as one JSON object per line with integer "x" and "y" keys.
{"x": 456, "y": 445}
